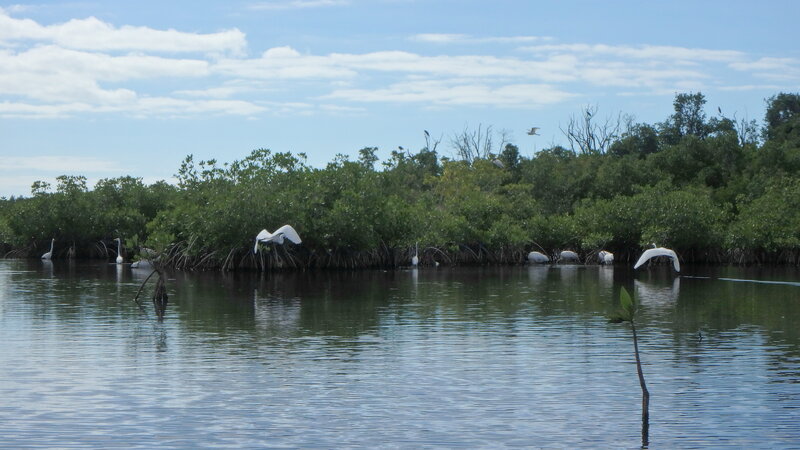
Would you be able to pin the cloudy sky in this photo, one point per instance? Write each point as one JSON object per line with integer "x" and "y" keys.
{"x": 105, "y": 89}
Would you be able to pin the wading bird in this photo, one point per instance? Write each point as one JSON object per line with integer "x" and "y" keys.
{"x": 119, "y": 250}
{"x": 49, "y": 255}
{"x": 278, "y": 236}
{"x": 537, "y": 258}
{"x": 656, "y": 252}
{"x": 568, "y": 255}
{"x": 415, "y": 258}
{"x": 605, "y": 257}
{"x": 533, "y": 131}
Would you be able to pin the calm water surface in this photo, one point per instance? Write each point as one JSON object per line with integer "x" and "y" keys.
{"x": 443, "y": 357}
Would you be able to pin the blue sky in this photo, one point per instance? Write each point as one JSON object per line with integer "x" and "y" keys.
{"x": 105, "y": 89}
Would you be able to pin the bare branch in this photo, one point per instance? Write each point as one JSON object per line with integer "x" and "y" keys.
{"x": 587, "y": 136}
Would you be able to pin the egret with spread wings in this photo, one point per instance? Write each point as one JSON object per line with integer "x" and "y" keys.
{"x": 656, "y": 252}
{"x": 284, "y": 232}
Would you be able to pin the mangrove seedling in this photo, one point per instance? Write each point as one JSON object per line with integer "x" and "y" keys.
{"x": 627, "y": 313}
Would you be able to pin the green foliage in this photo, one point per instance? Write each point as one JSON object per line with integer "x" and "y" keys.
{"x": 692, "y": 183}
{"x": 627, "y": 309}
{"x": 770, "y": 222}
{"x": 783, "y": 117}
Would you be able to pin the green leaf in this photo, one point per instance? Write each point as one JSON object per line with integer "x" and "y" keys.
{"x": 627, "y": 303}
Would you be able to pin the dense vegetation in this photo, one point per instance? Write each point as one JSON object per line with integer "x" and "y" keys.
{"x": 714, "y": 189}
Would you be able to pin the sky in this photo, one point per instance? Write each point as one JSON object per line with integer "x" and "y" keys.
{"x": 109, "y": 89}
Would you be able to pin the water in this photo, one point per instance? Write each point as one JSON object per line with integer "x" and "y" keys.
{"x": 478, "y": 357}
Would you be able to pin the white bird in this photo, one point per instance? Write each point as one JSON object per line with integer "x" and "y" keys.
{"x": 568, "y": 255}
{"x": 415, "y": 258}
{"x": 278, "y": 236}
{"x": 499, "y": 163}
{"x": 119, "y": 250}
{"x": 532, "y": 131}
{"x": 605, "y": 257}
{"x": 141, "y": 264}
{"x": 656, "y": 252}
{"x": 537, "y": 258}
{"x": 49, "y": 255}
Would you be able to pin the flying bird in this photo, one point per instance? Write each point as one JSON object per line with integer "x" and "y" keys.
{"x": 533, "y": 132}
{"x": 655, "y": 253}
{"x": 278, "y": 236}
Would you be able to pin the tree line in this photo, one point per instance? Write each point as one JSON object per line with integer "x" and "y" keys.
{"x": 714, "y": 188}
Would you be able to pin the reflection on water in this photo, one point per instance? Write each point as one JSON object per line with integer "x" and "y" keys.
{"x": 478, "y": 357}
{"x": 658, "y": 294}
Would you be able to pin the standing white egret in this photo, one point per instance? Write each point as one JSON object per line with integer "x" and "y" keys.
{"x": 49, "y": 255}
{"x": 656, "y": 252}
{"x": 537, "y": 258}
{"x": 605, "y": 257}
{"x": 278, "y": 236}
{"x": 415, "y": 258}
{"x": 119, "y": 250}
{"x": 568, "y": 255}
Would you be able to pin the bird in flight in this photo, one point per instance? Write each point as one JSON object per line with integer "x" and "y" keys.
{"x": 533, "y": 132}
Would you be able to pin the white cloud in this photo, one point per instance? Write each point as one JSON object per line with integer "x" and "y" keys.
{"x": 439, "y": 38}
{"x": 53, "y": 74}
{"x": 444, "y": 38}
{"x": 762, "y": 64}
{"x": 59, "y": 164}
{"x": 283, "y": 63}
{"x": 94, "y": 34}
{"x": 137, "y": 107}
{"x": 785, "y": 70}
{"x": 646, "y": 52}
{"x": 77, "y": 68}
{"x": 443, "y": 93}
{"x": 295, "y": 4}
{"x": 751, "y": 87}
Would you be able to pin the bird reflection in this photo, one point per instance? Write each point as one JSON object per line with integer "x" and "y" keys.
{"x": 277, "y": 316}
{"x": 537, "y": 274}
{"x": 47, "y": 267}
{"x": 606, "y": 276}
{"x": 658, "y": 294}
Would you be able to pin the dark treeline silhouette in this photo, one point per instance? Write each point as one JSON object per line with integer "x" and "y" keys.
{"x": 715, "y": 189}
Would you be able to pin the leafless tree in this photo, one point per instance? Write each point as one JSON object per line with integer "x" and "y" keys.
{"x": 589, "y": 134}
{"x": 747, "y": 130}
{"x": 478, "y": 143}
{"x": 429, "y": 140}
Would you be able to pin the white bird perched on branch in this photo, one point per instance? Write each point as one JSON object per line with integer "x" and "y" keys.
{"x": 656, "y": 252}
{"x": 605, "y": 257}
{"x": 278, "y": 236}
